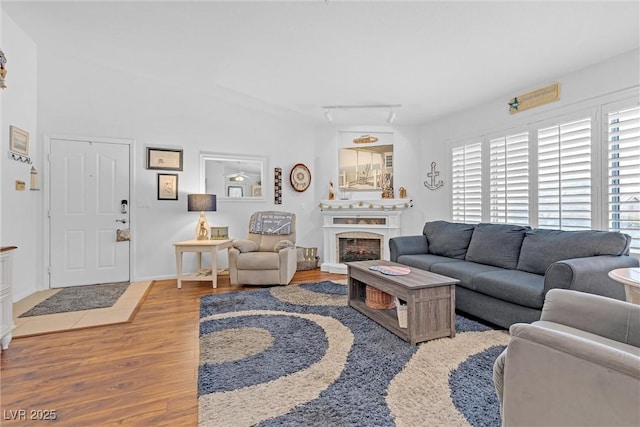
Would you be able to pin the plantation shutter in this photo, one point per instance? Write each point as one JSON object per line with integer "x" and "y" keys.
{"x": 467, "y": 183}
{"x": 509, "y": 179}
{"x": 564, "y": 176}
{"x": 624, "y": 173}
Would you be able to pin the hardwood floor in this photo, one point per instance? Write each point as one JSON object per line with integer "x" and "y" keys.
{"x": 140, "y": 373}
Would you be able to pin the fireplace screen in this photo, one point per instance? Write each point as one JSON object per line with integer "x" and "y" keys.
{"x": 358, "y": 249}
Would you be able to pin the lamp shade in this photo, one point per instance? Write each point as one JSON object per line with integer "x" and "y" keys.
{"x": 201, "y": 202}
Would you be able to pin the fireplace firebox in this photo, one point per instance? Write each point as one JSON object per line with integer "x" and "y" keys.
{"x": 358, "y": 249}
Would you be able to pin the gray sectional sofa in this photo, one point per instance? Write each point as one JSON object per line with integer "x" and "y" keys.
{"x": 505, "y": 270}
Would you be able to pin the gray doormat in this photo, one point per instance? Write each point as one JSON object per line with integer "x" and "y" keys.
{"x": 79, "y": 298}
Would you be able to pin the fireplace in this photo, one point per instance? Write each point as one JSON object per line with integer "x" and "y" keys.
{"x": 356, "y": 233}
{"x": 359, "y": 246}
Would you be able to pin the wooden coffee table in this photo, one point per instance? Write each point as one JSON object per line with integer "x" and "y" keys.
{"x": 430, "y": 297}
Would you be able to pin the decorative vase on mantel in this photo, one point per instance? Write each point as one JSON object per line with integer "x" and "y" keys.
{"x": 387, "y": 193}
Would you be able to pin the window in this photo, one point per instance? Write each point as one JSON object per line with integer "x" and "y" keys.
{"x": 564, "y": 176}
{"x": 509, "y": 179}
{"x": 579, "y": 170}
{"x": 623, "y": 138}
{"x": 467, "y": 183}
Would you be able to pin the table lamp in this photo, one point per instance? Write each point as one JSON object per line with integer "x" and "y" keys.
{"x": 203, "y": 203}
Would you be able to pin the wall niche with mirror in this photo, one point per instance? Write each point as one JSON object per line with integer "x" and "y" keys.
{"x": 365, "y": 161}
{"x": 232, "y": 177}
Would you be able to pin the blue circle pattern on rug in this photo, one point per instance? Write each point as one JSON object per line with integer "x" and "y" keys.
{"x": 469, "y": 393}
{"x": 377, "y": 356}
{"x": 298, "y": 343}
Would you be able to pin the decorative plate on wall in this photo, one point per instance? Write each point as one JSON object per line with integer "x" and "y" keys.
{"x": 300, "y": 177}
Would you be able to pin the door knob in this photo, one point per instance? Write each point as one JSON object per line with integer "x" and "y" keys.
{"x": 124, "y": 221}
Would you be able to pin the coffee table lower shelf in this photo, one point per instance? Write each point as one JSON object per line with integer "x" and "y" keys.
{"x": 386, "y": 318}
{"x": 430, "y": 300}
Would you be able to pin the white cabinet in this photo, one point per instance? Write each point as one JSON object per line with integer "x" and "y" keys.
{"x": 6, "y": 295}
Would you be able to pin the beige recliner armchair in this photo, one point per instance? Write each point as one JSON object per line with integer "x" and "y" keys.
{"x": 579, "y": 365}
{"x": 268, "y": 256}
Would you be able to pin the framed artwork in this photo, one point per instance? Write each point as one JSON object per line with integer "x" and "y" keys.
{"x": 164, "y": 159}
{"x": 167, "y": 186}
{"x": 235, "y": 191}
{"x": 19, "y": 141}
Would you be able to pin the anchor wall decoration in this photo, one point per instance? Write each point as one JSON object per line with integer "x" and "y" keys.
{"x": 433, "y": 185}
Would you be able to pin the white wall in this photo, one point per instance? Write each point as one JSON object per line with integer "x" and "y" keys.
{"x": 84, "y": 99}
{"x": 20, "y": 222}
{"x": 577, "y": 89}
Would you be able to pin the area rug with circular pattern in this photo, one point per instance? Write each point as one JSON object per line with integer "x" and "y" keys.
{"x": 300, "y": 356}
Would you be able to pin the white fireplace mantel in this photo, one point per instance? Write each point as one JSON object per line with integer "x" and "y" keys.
{"x": 375, "y": 217}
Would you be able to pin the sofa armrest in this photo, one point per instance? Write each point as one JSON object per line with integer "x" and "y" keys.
{"x": 554, "y": 378}
{"x": 407, "y": 245}
{"x": 589, "y": 274}
{"x": 605, "y": 317}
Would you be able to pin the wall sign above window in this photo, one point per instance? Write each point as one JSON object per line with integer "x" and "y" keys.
{"x": 535, "y": 98}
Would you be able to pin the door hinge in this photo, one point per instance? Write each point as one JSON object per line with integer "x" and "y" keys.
{"x": 49, "y": 270}
{"x": 48, "y": 214}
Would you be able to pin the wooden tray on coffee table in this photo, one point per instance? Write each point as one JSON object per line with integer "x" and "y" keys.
{"x": 430, "y": 298}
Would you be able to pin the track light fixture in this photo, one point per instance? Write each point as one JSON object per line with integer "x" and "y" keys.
{"x": 327, "y": 115}
{"x": 390, "y": 118}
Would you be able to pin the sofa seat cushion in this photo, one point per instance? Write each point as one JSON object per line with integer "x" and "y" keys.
{"x": 541, "y": 248}
{"x": 464, "y": 271}
{"x": 448, "y": 239}
{"x": 518, "y": 287}
{"x": 425, "y": 261}
{"x": 258, "y": 261}
{"x": 496, "y": 244}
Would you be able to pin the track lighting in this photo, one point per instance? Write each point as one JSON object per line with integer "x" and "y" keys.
{"x": 390, "y": 118}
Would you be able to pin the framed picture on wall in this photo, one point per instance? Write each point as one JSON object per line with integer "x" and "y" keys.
{"x": 167, "y": 186}
{"x": 164, "y": 159}
{"x": 19, "y": 141}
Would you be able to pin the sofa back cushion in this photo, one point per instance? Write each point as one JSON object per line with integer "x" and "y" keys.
{"x": 496, "y": 244}
{"x": 541, "y": 248}
{"x": 447, "y": 238}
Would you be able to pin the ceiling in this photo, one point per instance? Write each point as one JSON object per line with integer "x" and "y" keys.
{"x": 433, "y": 58}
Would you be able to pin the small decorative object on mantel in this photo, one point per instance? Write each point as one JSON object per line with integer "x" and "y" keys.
{"x": 3, "y": 71}
{"x": 277, "y": 186}
{"x": 387, "y": 193}
{"x": 535, "y": 98}
{"x": 331, "y": 193}
{"x": 432, "y": 184}
{"x": 385, "y": 184}
{"x": 403, "y": 193}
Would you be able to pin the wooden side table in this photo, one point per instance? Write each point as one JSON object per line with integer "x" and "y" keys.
{"x": 199, "y": 246}
{"x": 630, "y": 278}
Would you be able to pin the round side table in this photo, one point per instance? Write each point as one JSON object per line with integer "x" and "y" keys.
{"x": 630, "y": 278}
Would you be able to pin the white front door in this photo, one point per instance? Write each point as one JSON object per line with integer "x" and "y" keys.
{"x": 89, "y": 184}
